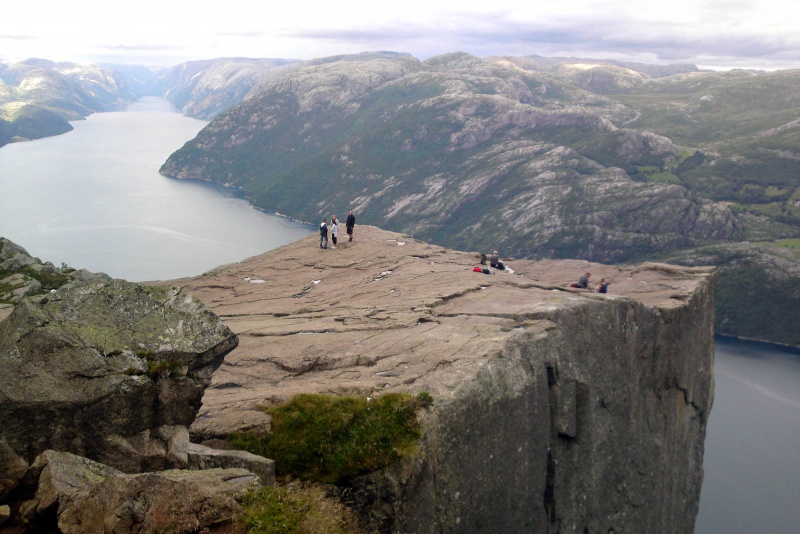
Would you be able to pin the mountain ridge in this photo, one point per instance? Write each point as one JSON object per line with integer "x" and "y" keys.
{"x": 538, "y": 157}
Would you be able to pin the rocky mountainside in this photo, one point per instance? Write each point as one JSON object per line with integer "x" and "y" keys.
{"x": 549, "y": 408}
{"x": 466, "y": 152}
{"x": 554, "y": 409}
{"x": 101, "y": 380}
{"x": 538, "y": 157}
{"x": 559, "y": 158}
{"x": 203, "y": 89}
{"x": 38, "y": 97}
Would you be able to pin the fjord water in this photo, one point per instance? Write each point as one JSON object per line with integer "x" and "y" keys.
{"x": 92, "y": 198}
{"x": 752, "y": 454}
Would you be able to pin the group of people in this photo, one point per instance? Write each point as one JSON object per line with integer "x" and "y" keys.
{"x": 494, "y": 261}
{"x": 349, "y": 224}
{"x": 584, "y": 283}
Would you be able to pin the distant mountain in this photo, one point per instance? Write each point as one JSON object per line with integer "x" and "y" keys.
{"x": 203, "y": 89}
{"x": 537, "y": 157}
{"x": 567, "y": 159}
{"x": 38, "y": 97}
{"x": 471, "y": 153}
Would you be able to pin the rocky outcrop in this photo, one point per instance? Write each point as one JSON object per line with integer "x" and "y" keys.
{"x": 22, "y": 275}
{"x": 108, "y": 370}
{"x": 75, "y": 495}
{"x": 169, "y": 501}
{"x": 102, "y": 377}
{"x": 555, "y": 409}
{"x": 202, "y": 457}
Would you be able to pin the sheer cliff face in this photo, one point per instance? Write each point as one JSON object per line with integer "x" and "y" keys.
{"x": 556, "y": 409}
{"x": 596, "y": 425}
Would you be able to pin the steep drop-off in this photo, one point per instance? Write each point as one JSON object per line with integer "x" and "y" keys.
{"x": 555, "y": 409}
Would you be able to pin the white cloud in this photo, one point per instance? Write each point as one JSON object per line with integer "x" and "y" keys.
{"x": 709, "y": 32}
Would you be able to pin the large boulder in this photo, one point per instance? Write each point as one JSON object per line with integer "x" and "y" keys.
{"x": 174, "y": 501}
{"x": 12, "y": 469}
{"x": 77, "y": 496}
{"x": 108, "y": 370}
{"x": 54, "y": 479}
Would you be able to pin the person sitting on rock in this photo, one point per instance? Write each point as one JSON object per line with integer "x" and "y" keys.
{"x": 603, "y": 286}
{"x": 583, "y": 281}
{"x": 496, "y": 263}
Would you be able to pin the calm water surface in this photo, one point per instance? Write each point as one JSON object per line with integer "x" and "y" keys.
{"x": 93, "y": 198}
{"x": 752, "y": 457}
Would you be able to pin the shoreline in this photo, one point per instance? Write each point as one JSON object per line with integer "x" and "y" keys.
{"x": 792, "y": 348}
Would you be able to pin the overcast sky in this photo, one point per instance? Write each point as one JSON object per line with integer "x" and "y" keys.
{"x": 710, "y": 33}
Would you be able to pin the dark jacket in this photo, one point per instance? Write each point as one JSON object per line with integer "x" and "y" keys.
{"x": 351, "y": 220}
{"x": 323, "y": 230}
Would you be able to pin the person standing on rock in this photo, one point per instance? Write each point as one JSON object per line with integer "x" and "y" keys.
{"x": 334, "y": 230}
{"x": 350, "y": 224}
{"x": 323, "y": 234}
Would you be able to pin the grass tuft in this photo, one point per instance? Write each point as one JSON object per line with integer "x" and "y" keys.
{"x": 332, "y": 439}
{"x": 296, "y": 508}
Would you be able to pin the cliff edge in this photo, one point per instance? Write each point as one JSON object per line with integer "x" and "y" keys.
{"x": 555, "y": 409}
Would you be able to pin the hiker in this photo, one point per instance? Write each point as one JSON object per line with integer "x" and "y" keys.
{"x": 603, "y": 286}
{"x": 349, "y": 224}
{"x": 323, "y": 234}
{"x": 495, "y": 262}
{"x": 583, "y": 281}
{"x": 334, "y": 230}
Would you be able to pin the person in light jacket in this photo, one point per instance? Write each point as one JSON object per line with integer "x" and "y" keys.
{"x": 334, "y": 230}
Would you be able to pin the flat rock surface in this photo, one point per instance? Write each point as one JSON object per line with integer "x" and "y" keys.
{"x": 388, "y": 313}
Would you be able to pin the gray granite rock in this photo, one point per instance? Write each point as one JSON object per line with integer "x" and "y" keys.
{"x": 555, "y": 409}
{"x": 12, "y": 469}
{"x": 204, "y": 457}
{"x": 172, "y": 501}
{"x": 108, "y": 370}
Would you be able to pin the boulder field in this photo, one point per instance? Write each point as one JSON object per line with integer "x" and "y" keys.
{"x": 100, "y": 380}
{"x": 555, "y": 409}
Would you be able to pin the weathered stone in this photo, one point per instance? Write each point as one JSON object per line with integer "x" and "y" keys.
{"x": 5, "y": 513}
{"x": 58, "y": 478}
{"x": 204, "y": 457}
{"x": 108, "y": 370}
{"x": 169, "y": 502}
{"x": 235, "y": 420}
{"x": 12, "y": 469}
{"x": 556, "y": 409}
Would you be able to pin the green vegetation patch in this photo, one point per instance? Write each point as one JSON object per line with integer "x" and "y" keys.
{"x": 295, "y": 509}
{"x": 49, "y": 281}
{"x": 332, "y": 439}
